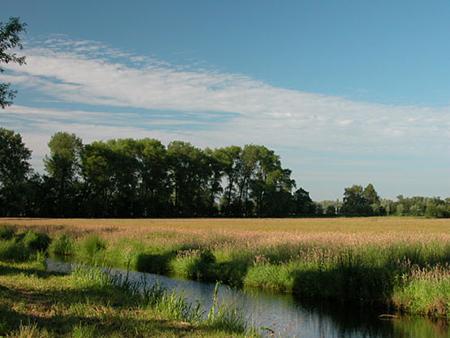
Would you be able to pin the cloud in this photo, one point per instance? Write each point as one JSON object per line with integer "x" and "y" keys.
{"x": 141, "y": 96}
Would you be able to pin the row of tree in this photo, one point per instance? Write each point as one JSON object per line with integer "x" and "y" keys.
{"x": 359, "y": 201}
{"x": 144, "y": 178}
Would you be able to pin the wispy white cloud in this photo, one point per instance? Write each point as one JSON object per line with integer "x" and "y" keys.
{"x": 250, "y": 111}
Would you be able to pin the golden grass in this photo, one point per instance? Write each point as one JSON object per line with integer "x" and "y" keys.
{"x": 348, "y": 231}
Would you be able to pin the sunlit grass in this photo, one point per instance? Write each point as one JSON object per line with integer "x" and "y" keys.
{"x": 343, "y": 259}
{"x": 91, "y": 303}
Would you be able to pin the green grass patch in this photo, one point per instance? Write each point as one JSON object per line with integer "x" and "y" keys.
{"x": 91, "y": 303}
{"x": 23, "y": 246}
{"x": 91, "y": 250}
{"x": 381, "y": 274}
{"x": 425, "y": 295}
{"x": 62, "y": 246}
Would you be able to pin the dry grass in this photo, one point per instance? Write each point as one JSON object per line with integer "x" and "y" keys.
{"x": 347, "y": 231}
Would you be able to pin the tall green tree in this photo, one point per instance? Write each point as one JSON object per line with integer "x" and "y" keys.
{"x": 14, "y": 156}
{"x": 270, "y": 184}
{"x": 10, "y": 39}
{"x": 97, "y": 173}
{"x": 14, "y": 170}
{"x": 277, "y": 199}
{"x": 214, "y": 169}
{"x": 374, "y": 200}
{"x": 303, "y": 205}
{"x": 189, "y": 176}
{"x": 63, "y": 168}
{"x": 230, "y": 164}
{"x": 124, "y": 168}
{"x": 154, "y": 188}
{"x": 246, "y": 180}
{"x": 256, "y": 183}
{"x": 355, "y": 202}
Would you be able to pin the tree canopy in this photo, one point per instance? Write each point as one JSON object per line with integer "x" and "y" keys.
{"x": 145, "y": 178}
{"x": 9, "y": 41}
{"x": 14, "y": 170}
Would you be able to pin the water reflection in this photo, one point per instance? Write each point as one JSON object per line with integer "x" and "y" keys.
{"x": 287, "y": 317}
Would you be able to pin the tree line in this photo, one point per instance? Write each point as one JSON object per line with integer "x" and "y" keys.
{"x": 144, "y": 178}
{"x": 359, "y": 201}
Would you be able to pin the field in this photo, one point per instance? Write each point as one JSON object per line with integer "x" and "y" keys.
{"x": 401, "y": 263}
{"x": 345, "y": 231}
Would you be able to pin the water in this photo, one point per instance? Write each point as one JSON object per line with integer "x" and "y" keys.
{"x": 287, "y": 317}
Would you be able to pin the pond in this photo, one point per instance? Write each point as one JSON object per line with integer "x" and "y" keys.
{"x": 284, "y": 316}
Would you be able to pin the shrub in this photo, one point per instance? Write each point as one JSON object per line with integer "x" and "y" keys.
{"x": 91, "y": 246}
{"x": 62, "y": 246}
{"x": 153, "y": 262}
{"x": 195, "y": 264}
{"x": 6, "y": 232}
{"x": 36, "y": 241}
{"x": 13, "y": 250}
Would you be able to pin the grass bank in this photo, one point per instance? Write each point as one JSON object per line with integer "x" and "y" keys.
{"x": 411, "y": 278}
{"x": 381, "y": 261}
{"x": 90, "y": 303}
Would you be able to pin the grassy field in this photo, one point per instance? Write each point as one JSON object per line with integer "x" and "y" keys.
{"x": 358, "y": 227}
{"x": 398, "y": 262}
{"x": 252, "y": 233}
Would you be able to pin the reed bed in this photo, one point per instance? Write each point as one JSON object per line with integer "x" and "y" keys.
{"x": 399, "y": 263}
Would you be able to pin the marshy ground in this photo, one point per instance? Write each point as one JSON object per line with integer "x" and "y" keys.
{"x": 396, "y": 262}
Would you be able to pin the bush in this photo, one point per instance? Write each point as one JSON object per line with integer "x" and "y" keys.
{"x": 153, "y": 262}
{"x": 195, "y": 264}
{"x": 36, "y": 241}
{"x": 13, "y": 250}
{"x": 62, "y": 246}
{"x": 91, "y": 246}
{"x": 6, "y": 232}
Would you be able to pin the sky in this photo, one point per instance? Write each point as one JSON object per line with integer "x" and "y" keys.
{"x": 346, "y": 92}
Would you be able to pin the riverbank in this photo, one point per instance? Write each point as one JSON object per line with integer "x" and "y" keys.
{"x": 90, "y": 303}
{"x": 372, "y": 261}
{"x": 409, "y": 278}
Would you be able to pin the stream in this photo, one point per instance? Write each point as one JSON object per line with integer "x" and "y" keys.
{"x": 286, "y": 316}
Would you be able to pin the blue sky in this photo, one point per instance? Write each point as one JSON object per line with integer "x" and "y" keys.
{"x": 345, "y": 91}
